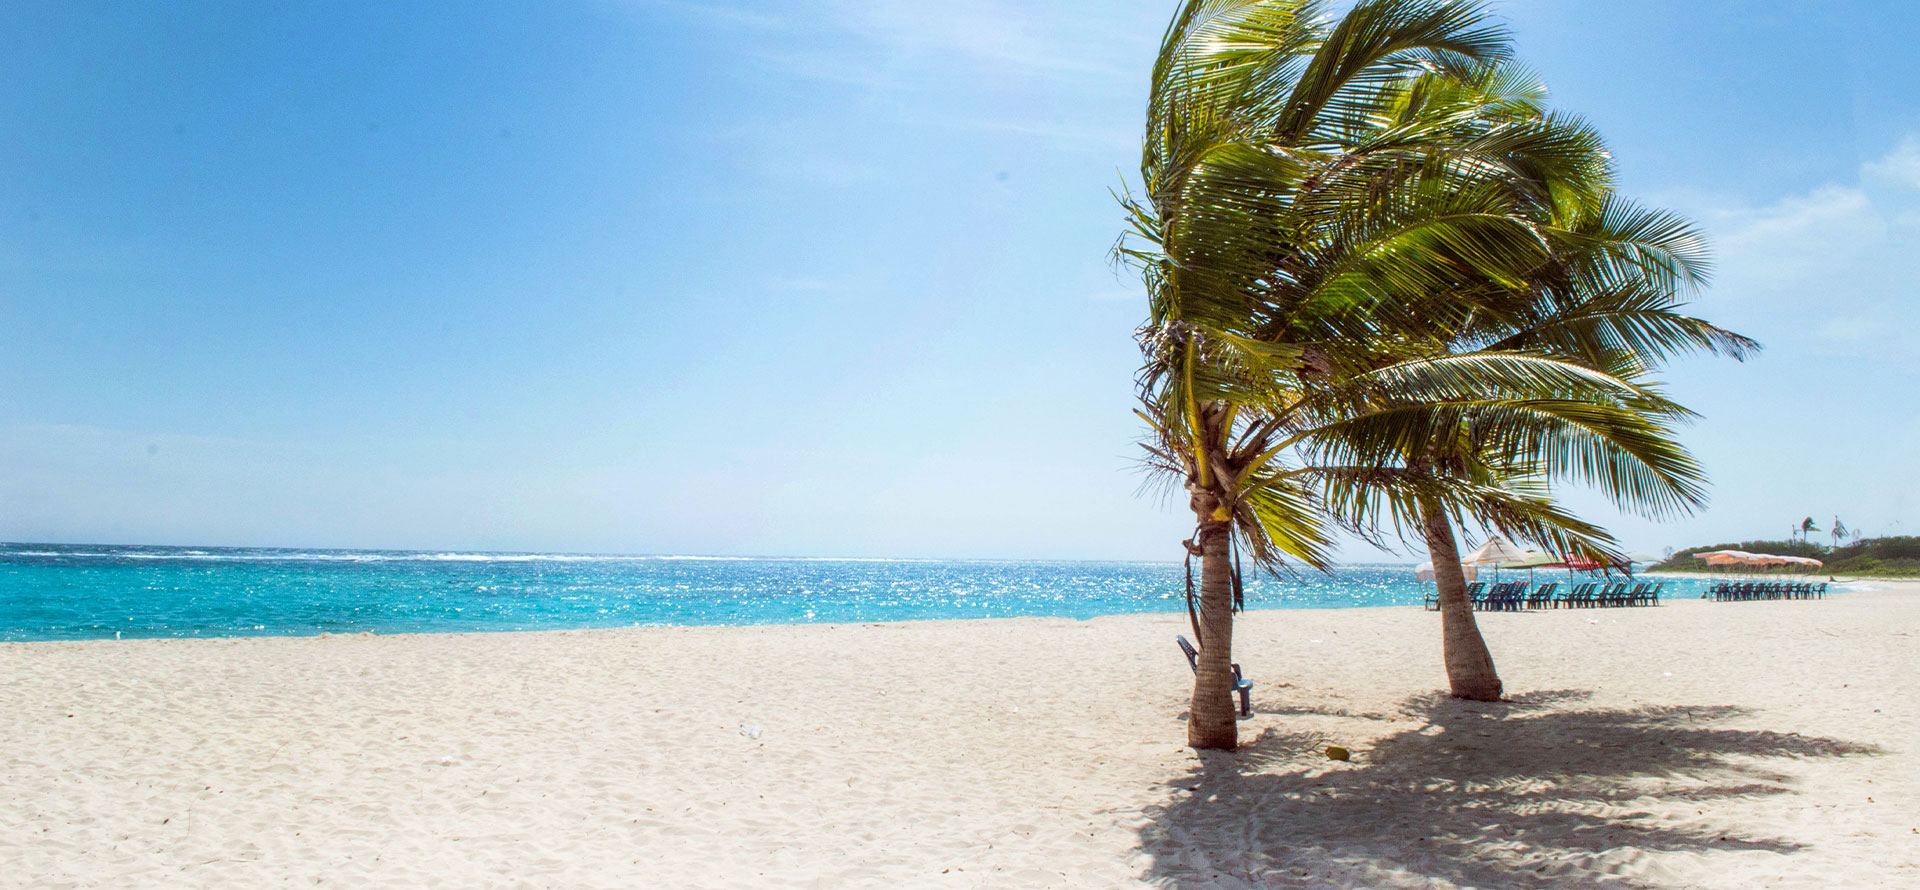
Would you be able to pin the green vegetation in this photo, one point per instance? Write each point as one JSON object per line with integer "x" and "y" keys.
{"x": 1391, "y": 291}
{"x": 1891, "y": 557}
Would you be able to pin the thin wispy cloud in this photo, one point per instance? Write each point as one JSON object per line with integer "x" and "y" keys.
{"x": 1832, "y": 267}
{"x": 1000, "y": 37}
{"x": 884, "y": 44}
{"x": 1899, "y": 169}
{"x": 993, "y": 80}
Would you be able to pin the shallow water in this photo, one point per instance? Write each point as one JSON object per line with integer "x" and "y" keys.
{"x": 50, "y": 591}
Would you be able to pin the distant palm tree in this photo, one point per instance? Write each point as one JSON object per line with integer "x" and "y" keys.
{"x": 1806, "y": 528}
{"x": 1838, "y": 532}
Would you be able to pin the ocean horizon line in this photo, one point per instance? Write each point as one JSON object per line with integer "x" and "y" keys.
{"x": 264, "y": 552}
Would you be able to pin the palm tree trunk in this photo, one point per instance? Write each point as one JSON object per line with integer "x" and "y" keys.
{"x": 1212, "y": 721}
{"x": 1470, "y": 672}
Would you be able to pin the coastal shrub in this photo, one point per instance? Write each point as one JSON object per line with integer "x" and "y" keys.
{"x": 1893, "y": 556}
{"x": 1891, "y": 548}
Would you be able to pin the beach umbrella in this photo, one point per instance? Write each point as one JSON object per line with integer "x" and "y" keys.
{"x": 1533, "y": 560}
{"x": 1774, "y": 560}
{"x": 1720, "y": 558}
{"x": 1494, "y": 552}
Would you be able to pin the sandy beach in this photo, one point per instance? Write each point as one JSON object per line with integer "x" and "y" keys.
{"x": 1696, "y": 745}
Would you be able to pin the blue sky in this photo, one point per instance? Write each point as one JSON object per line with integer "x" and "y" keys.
{"x": 816, "y": 277}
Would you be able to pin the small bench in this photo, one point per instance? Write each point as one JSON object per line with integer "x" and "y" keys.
{"x": 1241, "y": 685}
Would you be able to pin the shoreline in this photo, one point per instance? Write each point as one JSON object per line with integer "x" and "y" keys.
{"x": 1878, "y": 584}
{"x": 102, "y": 598}
{"x": 1638, "y": 746}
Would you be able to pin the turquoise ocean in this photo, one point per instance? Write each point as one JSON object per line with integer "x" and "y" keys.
{"x": 64, "y": 591}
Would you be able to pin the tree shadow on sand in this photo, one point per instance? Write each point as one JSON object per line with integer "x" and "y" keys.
{"x": 1527, "y": 793}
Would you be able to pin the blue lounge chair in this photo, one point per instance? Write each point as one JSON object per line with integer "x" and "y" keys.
{"x": 1515, "y": 598}
{"x": 1581, "y": 596}
{"x": 1542, "y": 597}
{"x": 1624, "y": 597}
{"x": 1476, "y": 596}
{"x": 1492, "y": 598}
{"x": 1241, "y": 685}
{"x": 1650, "y": 597}
{"x": 1500, "y": 598}
{"x": 1567, "y": 599}
{"x": 1432, "y": 601}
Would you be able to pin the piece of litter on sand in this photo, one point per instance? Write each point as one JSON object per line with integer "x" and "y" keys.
{"x": 749, "y": 730}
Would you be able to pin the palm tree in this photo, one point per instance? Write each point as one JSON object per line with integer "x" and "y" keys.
{"x": 1607, "y": 302}
{"x": 1487, "y": 450}
{"x": 1605, "y": 298}
{"x": 1311, "y": 190}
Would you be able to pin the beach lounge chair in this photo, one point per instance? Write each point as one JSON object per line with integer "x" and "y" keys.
{"x": 1652, "y": 596}
{"x": 1517, "y": 597}
{"x": 1241, "y": 685}
{"x": 1506, "y": 598}
{"x": 1614, "y": 595}
{"x": 1475, "y": 598}
{"x": 1579, "y": 596}
{"x": 1484, "y": 598}
{"x": 1478, "y": 594}
{"x": 1496, "y": 597}
{"x": 1624, "y": 597}
{"x": 1566, "y": 598}
{"x": 1542, "y": 597}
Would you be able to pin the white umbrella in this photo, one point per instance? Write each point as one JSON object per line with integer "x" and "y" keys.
{"x": 1496, "y": 550}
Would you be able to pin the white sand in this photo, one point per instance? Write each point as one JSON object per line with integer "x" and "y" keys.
{"x": 1738, "y": 745}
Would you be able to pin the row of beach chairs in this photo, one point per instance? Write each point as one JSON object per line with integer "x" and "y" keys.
{"x": 1740, "y": 591}
{"x": 1512, "y": 597}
